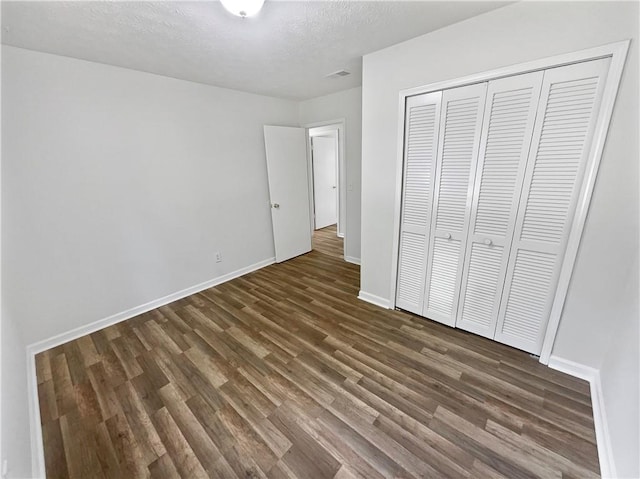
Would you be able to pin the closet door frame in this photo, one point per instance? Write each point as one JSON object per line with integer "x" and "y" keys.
{"x": 618, "y": 53}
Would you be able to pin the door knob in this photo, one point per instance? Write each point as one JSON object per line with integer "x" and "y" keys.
{"x": 488, "y": 242}
{"x": 275, "y": 205}
{"x": 448, "y": 236}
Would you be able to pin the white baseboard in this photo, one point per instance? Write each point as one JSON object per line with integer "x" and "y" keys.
{"x": 603, "y": 438}
{"x": 37, "y": 458}
{"x": 373, "y": 299}
{"x": 78, "y": 332}
{"x": 352, "y": 259}
{"x": 572, "y": 368}
{"x": 37, "y": 446}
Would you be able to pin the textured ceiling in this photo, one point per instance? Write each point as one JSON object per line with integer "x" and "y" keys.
{"x": 285, "y": 51}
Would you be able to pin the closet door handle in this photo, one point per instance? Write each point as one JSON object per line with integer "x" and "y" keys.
{"x": 447, "y": 235}
{"x": 488, "y": 241}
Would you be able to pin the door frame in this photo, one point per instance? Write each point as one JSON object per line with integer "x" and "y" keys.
{"x": 617, "y": 52}
{"x": 334, "y": 136}
{"x": 322, "y": 128}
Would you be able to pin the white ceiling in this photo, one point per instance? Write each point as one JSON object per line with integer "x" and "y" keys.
{"x": 285, "y": 51}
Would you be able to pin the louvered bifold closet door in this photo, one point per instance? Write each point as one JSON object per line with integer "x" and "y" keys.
{"x": 420, "y": 147}
{"x": 461, "y": 123}
{"x": 562, "y": 136}
{"x": 510, "y": 113}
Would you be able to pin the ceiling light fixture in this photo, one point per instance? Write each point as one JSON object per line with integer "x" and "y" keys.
{"x": 243, "y": 8}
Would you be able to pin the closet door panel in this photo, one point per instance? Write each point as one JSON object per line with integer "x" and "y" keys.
{"x": 510, "y": 114}
{"x": 444, "y": 274}
{"x": 481, "y": 281}
{"x": 421, "y": 137}
{"x": 561, "y": 140}
{"x": 461, "y": 123}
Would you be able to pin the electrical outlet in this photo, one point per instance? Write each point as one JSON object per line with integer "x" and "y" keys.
{"x": 218, "y": 257}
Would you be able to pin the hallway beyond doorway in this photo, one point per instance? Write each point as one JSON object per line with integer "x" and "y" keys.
{"x": 326, "y": 241}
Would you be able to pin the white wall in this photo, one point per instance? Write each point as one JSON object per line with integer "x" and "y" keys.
{"x": 346, "y": 104}
{"x": 619, "y": 375}
{"x": 117, "y": 188}
{"x": 16, "y": 445}
{"x": 598, "y": 309}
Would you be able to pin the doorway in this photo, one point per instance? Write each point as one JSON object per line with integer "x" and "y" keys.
{"x": 324, "y": 170}
{"x": 327, "y": 183}
{"x": 326, "y": 241}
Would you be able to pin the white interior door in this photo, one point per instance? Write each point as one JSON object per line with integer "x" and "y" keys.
{"x": 286, "y": 151}
{"x": 461, "y": 124}
{"x": 422, "y": 120}
{"x": 562, "y": 136}
{"x": 325, "y": 180}
{"x": 510, "y": 113}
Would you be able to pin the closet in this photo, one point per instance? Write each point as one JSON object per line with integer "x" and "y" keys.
{"x": 491, "y": 176}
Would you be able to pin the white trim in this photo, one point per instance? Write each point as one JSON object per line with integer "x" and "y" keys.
{"x": 80, "y": 331}
{"x": 395, "y": 251}
{"x": 587, "y": 54}
{"x": 352, "y": 259}
{"x": 373, "y": 299}
{"x": 618, "y": 52}
{"x": 603, "y": 438}
{"x": 37, "y": 458}
{"x": 572, "y": 368}
{"x": 37, "y": 443}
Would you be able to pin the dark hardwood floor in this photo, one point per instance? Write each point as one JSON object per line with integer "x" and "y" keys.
{"x": 326, "y": 241}
{"x": 283, "y": 373}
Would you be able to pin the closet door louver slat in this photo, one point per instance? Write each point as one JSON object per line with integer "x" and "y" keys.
{"x": 510, "y": 113}
{"x": 561, "y": 140}
{"x": 461, "y": 120}
{"x": 421, "y": 137}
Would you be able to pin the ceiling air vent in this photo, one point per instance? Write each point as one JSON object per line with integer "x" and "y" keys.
{"x": 338, "y": 74}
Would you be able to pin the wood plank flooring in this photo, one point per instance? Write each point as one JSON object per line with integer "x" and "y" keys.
{"x": 325, "y": 241}
{"x": 283, "y": 373}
